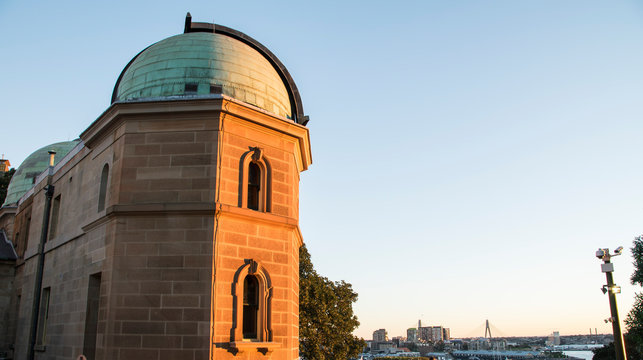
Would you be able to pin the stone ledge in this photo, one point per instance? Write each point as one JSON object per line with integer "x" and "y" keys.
{"x": 260, "y": 346}
{"x": 259, "y": 216}
{"x": 255, "y": 215}
{"x": 182, "y": 208}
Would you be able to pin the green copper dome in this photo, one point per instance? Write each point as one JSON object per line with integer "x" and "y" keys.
{"x": 25, "y": 177}
{"x": 202, "y": 63}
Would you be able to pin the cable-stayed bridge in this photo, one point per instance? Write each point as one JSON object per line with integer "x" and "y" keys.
{"x": 487, "y": 330}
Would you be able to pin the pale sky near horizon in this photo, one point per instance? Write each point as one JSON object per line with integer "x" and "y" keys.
{"x": 469, "y": 157}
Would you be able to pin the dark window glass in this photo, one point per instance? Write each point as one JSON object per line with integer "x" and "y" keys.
{"x": 55, "y": 209}
{"x": 191, "y": 88}
{"x": 254, "y": 186}
{"x": 216, "y": 89}
{"x": 27, "y": 227}
{"x": 43, "y": 315}
{"x": 250, "y": 307}
{"x": 103, "y": 187}
{"x": 91, "y": 316}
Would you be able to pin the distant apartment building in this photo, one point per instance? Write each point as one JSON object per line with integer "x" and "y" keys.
{"x": 386, "y": 346}
{"x": 499, "y": 344}
{"x": 436, "y": 333}
{"x": 380, "y": 335}
{"x": 479, "y": 344}
{"x": 487, "y": 344}
{"x": 446, "y": 334}
{"x": 433, "y": 333}
{"x": 456, "y": 344}
{"x": 383, "y": 346}
{"x": 424, "y": 334}
{"x": 398, "y": 340}
{"x": 412, "y": 335}
{"x": 554, "y": 339}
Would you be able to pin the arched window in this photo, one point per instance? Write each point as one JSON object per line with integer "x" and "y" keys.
{"x": 252, "y": 294}
{"x": 102, "y": 193}
{"x": 250, "y": 307}
{"x": 254, "y": 181}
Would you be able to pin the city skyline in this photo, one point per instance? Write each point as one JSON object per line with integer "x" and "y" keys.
{"x": 468, "y": 159}
{"x": 479, "y": 332}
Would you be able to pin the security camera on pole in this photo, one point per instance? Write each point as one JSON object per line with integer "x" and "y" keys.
{"x": 611, "y": 289}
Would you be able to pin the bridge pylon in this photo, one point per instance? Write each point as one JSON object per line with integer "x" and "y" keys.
{"x": 487, "y": 330}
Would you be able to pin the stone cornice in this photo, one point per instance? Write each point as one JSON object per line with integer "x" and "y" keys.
{"x": 115, "y": 114}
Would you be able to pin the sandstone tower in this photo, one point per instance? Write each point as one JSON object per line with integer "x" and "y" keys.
{"x": 172, "y": 228}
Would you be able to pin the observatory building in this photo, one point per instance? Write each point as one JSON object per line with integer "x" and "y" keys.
{"x": 169, "y": 229}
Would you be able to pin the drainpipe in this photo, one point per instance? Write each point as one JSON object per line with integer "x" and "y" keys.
{"x": 35, "y": 309}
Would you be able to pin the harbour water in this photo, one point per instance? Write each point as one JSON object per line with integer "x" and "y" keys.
{"x": 584, "y": 354}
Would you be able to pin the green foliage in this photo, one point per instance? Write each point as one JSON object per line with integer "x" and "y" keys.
{"x": 637, "y": 254}
{"x": 5, "y": 178}
{"x": 634, "y": 325}
{"x": 634, "y": 320}
{"x": 326, "y": 320}
{"x": 608, "y": 352}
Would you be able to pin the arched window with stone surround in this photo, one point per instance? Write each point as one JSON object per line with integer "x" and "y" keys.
{"x": 252, "y": 298}
{"x": 102, "y": 192}
{"x": 255, "y": 181}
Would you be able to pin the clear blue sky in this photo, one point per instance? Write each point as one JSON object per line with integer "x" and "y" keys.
{"x": 469, "y": 156}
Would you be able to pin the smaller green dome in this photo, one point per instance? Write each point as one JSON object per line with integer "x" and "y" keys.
{"x": 26, "y": 174}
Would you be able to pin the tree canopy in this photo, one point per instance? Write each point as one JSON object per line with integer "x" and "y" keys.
{"x": 637, "y": 255}
{"x": 608, "y": 352}
{"x": 634, "y": 319}
{"x": 5, "y": 178}
{"x": 326, "y": 319}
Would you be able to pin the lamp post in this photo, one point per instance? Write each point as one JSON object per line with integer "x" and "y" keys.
{"x": 611, "y": 289}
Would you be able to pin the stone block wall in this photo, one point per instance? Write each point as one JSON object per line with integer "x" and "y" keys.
{"x": 169, "y": 160}
{"x": 159, "y": 306}
{"x": 274, "y": 244}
